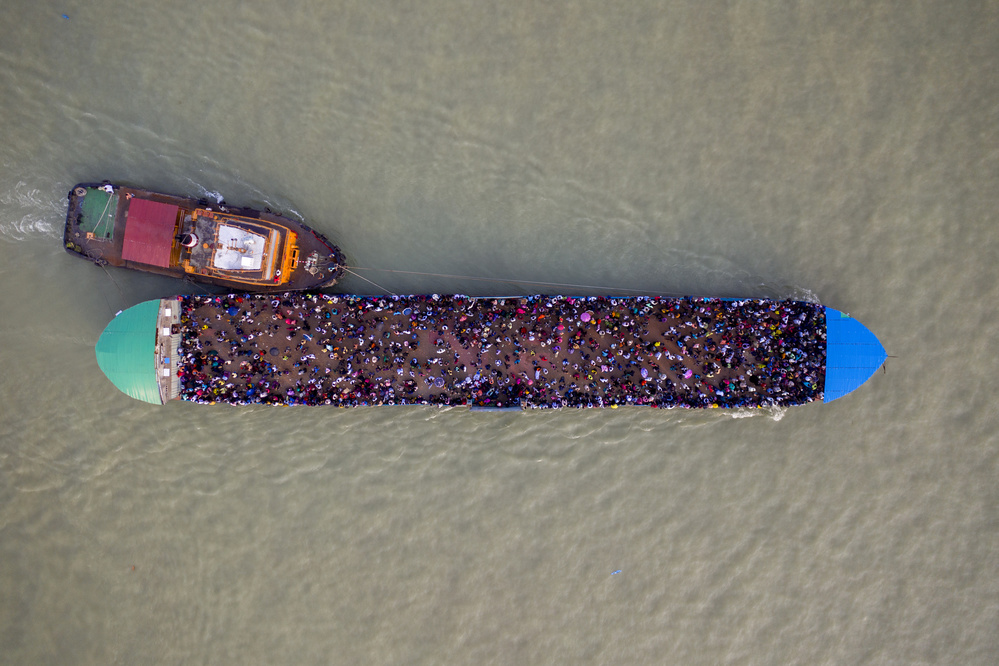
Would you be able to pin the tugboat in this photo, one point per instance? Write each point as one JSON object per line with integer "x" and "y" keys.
{"x": 235, "y": 248}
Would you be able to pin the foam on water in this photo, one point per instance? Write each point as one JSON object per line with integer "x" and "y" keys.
{"x": 28, "y": 213}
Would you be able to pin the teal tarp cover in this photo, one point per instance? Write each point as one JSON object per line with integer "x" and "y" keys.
{"x": 98, "y": 211}
{"x": 853, "y": 354}
{"x": 126, "y": 352}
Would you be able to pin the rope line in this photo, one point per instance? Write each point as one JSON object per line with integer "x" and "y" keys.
{"x": 121, "y": 294}
{"x": 187, "y": 278}
{"x": 371, "y": 281}
{"x": 483, "y": 279}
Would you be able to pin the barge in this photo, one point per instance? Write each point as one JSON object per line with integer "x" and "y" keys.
{"x": 234, "y": 248}
{"x": 491, "y": 353}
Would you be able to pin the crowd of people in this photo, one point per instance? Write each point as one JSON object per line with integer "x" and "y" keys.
{"x": 536, "y": 351}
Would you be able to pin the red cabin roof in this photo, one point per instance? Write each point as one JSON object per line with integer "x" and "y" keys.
{"x": 149, "y": 232}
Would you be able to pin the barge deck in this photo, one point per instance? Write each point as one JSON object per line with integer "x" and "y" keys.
{"x": 537, "y": 351}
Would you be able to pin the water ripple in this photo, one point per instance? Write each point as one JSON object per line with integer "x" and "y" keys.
{"x": 29, "y": 213}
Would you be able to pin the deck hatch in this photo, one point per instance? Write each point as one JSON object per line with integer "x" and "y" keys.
{"x": 239, "y": 249}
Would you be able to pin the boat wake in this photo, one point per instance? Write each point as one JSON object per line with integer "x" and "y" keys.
{"x": 27, "y": 213}
{"x": 212, "y": 194}
{"x": 774, "y": 412}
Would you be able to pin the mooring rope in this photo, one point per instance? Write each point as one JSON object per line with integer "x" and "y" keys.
{"x": 371, "y": 281}
{"x": 187, "y": 278}
{"x": 121, "y": 294}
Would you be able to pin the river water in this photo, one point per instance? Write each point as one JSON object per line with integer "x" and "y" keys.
{"x": 847, "y": 152}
